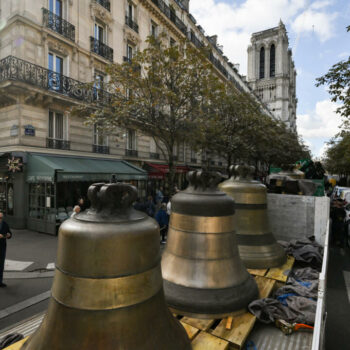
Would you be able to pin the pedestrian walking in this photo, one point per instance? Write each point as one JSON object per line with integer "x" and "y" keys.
{"x": 5, "y": 234}
{"x": 150, "y": 207}
{"x": 159, "y": 197}
{"x": 163, "y": 221}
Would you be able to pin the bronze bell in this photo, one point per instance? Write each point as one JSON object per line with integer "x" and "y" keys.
{"x": 107, "y": 291}
{"x": 257, "y": 245}
{"x": 202, "y": 271}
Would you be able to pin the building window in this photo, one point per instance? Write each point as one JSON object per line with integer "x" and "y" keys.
{"x": 129, "y": 52}
{"x": 100, "y": 138}
{"x": 130, "y": 11}
{"x": 56, "y": 7}
{"x": 58, "y": 131}
{"x": 272, "y": 60}
{"x": 172, "y": 42}
{"x": 99, "y": 33}
{"x": 131, "y": 139}
{"x": 55, "y": 65}
{"x": 98, "y": 86}
{"x": 262, "y": 64}
{"x": 154, "y": 29}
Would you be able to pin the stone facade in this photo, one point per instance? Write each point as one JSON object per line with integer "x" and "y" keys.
{"x": 49, "y": 47}
{"x": 271, "y": 73}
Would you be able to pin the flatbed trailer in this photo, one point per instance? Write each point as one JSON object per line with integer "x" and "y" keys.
{"x": 242, "y": 331}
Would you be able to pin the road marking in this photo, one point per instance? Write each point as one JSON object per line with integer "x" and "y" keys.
{"x": 50, "y": 266}
{"x": 347, "y": 282}
{"x": 15, "y": 265}
{"x": 24, "y": 304}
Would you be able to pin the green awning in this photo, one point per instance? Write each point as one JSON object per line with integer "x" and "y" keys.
{"x": 43, "y": 168}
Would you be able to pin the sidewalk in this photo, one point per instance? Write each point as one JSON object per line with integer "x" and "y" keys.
{"x": 38, "y": 250}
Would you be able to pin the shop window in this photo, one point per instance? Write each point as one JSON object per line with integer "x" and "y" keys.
{"x": 42, "y": 199}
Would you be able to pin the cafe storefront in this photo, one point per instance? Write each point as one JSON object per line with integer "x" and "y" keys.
{"x": 55, "y": 184}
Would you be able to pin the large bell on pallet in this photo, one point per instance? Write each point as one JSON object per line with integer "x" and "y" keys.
{"x": 107, "y": 291}
{"x": 257, "y": 245}
{"x": 202, "y": 271}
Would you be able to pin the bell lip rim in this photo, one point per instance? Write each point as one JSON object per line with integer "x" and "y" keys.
{"x": 208, "y": 316}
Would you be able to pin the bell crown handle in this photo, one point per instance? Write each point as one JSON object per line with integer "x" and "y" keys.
{"x": 111, "y": 198}
{"x": 245, "y": 171}
{"x": 200, "y": 179}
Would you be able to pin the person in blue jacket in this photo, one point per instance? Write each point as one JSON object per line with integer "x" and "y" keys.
{"x": 163, "y": 221}
{"x": 5, "y": 234}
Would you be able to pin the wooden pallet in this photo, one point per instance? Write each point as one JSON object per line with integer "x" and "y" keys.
{"x": 232, "y": 332}
{"x": 229, "y": 332}
{"x": 277, "y": 273}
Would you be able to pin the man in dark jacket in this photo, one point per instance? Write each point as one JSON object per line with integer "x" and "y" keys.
{"x": 5, "y": 233}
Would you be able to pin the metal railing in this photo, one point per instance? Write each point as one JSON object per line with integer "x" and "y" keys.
{"x": 153, "y": 155}
{"x": 131, "y": 152}
{"x": 171, "y": 15}
{"x": 100, "y": 149}
{"x": 101, "y": 49}
{"x": 132, "y": 24}
{"x": 58, "y": 24}
{"x": 105, "y": 3}
{"x": 192, "y": 37}
{"x": 57, "y": 143}
{"x": 16, "y": 69}
{"x": 126, "y": 59}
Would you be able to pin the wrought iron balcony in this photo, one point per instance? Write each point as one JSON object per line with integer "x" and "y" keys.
{"x": 131, "y": 152}
{"x": 16, "y": 69}
{"x": 170, "y": 14}
{"x": 58, "y": 24}
{"x": 192, "y": 37}
{"x": 126, "y": 59}
{"x": 194, "y": 160}
{"x": 132, "y": 24}
{"x": 101, "y": 49}
{"x": 100, "y": 149}
{"x": 57, "y": 143}
{"x": 105, "y": 3}
{"x": 153, "y": 155}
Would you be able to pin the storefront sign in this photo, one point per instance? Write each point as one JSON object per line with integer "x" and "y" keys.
{"x": 15, "y": 164}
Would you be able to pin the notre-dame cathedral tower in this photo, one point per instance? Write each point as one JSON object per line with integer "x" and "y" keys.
{"x": 271, "y": 73}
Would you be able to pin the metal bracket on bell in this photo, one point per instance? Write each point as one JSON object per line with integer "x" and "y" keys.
{"x": 245, "y": 171}
{"x": 204, "y": 180}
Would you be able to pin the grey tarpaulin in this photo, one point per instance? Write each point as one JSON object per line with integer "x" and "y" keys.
{"x": 305, "y": 250}
{"x": 295, "y": 302}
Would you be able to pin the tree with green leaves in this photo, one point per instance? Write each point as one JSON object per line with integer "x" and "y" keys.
{"x": 338, "y": 81}
{"x": 160, "y": 93}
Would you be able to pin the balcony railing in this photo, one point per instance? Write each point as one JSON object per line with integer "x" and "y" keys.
{"x": 132, "y": 24}
{"x": 57, "y": 144}
{"x": 100, "y": 149}
{"x": 101, "y": 49}
{"x": 153, "y": 155}
{"x": 126, "y": 59}
{"x": 105, "y": 3}
{"x": 131, "y": 152}
{"x": 15, "y": 69}
{"x": 170, "y": 14}
{"x": 195, "y": 40}
{"x": 58, "y": 24}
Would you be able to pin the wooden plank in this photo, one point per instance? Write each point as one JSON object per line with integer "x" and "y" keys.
{"x": 191, "y": 331}
{"x": 229, "y": 322}
{"x": 241, "y": 327}
{"x": 198, "y": 323}
{"x": 257, "y": 272}
{"x": 265, "y": 286}
{"x": 17, "y": 345}
{"x": 206, "y": 341}
{"x": 281, "y": 273}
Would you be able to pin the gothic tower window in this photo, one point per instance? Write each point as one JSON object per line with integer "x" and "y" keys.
{"x": 272, "y": 60}
{"x": 262, "y": 64}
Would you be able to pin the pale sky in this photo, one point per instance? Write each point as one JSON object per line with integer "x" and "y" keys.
{"x": 317, "y": 37}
